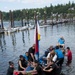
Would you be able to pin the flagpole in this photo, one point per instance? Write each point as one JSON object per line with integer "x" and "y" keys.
{"x": 37, "y": 18}
{"x": 36, "y": 38}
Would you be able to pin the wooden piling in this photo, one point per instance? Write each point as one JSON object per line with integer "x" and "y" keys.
{"x": 45, "y": 17}
{"x": 52, "y": 18}
{"x": 22, "y": 18}
{"x": 22, "y": 21}
{"x": 11, "y": 19}
{"x": 1, "y": 18}
{"x": 28, "y": 18}
{"x": 35, "y": 18}
{"x": 57, "y": 17}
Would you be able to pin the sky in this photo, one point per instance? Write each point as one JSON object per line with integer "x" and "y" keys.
{"x": 6, "y": 5}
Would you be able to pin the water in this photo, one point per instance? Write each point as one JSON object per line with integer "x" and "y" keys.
{"x": 7, "y": 24}
{"x": 12, "y": 45}
{"x": 16, "y": 23}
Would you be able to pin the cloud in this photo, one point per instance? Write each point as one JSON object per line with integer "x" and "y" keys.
{"x": 7, "y": 0}
{"x": 20, "y": 4}
{"x": 5, "y": 7}
{"x": 38, "y": 1}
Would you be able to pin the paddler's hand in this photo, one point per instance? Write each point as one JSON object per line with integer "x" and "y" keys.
{"x": 44, "y": 69}
{"x": 24, "y": 69}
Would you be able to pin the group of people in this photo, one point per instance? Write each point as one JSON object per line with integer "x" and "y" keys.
{"x": 53, "y": 59}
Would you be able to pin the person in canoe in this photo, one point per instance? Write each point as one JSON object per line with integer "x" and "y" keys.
{"x": 61, "y": 42}
{"x": 31, "y": 53}
{"x": 22, "y": 63}
{"x": 53, "y": 69}
{"x": 26, "y": 56}
{"x": 11, "y": 68}
{"x": 38, "y": 70}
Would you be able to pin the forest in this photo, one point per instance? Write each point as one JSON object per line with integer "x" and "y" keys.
{"x": 63, "y": 9}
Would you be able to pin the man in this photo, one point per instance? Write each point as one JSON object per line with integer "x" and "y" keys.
{"x": 61, "y": 42}
{"x": 60, "y": 56}
{"x": 31, "y": 53}
{"x": 36, "y": 71}
{"x": 69, "y": 56}
{"x": 53, "y": 69}
{"x": 11, "y": 68}
{"x": 26, "y": 56}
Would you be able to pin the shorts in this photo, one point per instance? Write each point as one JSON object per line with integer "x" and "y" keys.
{"x": 69, "y": 62}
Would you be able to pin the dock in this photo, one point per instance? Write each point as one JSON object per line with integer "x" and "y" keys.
{"x": 16, "y": 29}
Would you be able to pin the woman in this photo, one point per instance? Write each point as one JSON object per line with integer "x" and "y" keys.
{"x": 52, "y": 55}
{"x": 53, "y": 69}
{"x": 36, "y": 71}
{"x": 22, "y": 64}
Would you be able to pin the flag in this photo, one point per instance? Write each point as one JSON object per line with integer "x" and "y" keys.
{"x": 37, "y": 39}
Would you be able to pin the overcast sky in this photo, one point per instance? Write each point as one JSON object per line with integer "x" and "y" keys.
{"x": 6, "y": 5}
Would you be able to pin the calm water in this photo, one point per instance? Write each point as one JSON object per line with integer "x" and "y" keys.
{"x": 11, "y": 46}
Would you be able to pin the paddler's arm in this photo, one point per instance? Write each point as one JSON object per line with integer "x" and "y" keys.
{"x": 32, "y": 55}
{"x": 47, "y": 65}
{"x": 48, "y": 70}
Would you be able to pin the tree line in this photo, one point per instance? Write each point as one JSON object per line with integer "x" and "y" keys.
{"x": 68, "y": 8}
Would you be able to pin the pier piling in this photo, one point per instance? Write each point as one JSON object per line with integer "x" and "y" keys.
{"x": 1, "y": 19}
{"x": 11, "y": 19}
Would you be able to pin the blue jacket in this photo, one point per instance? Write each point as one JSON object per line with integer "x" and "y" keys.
{"x": 61, "y": 41}
{"x": 26, "y": 57}
{"x": 59, "y": 53}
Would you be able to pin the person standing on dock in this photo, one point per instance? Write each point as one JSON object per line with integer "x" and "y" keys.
{"x": 61, "y": 41}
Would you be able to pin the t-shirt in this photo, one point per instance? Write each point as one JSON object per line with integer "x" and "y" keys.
{"x": 69, "y": 55}
{"x": 39, "y": 70}
{"x": 23, "y": 63}
{"x": 61, "y": 41}
{"x": 31, "y": 50}
{"x": 48, "y": 56}
{"x": 55, "y": 71}
{"x": 26, "y": 57}
{"x": 10, "y": 71}
{"x": 54, "y": 58}
{"x": 59, "y": 53}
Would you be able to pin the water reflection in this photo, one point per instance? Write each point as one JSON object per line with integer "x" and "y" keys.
{"x": 2, "y": 42}
{"x": 52, "y": 30}
{"x": 29, "y": 35}
{"x": 13, "y": 39}
{"x": 45, "y": 31}
{"x": 23, "y": 36}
